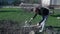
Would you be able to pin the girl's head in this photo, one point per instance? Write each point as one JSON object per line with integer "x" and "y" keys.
{"x": 35, "y": 10}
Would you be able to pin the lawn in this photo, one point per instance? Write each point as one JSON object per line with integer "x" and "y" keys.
{"x": 21, "y": 16}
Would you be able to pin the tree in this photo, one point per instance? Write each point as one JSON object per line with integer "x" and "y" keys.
{"x": 3, "y": 2}
{"x": 16, "y": 2}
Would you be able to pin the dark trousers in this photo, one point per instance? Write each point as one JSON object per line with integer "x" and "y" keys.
{"x": 43, "y": 17}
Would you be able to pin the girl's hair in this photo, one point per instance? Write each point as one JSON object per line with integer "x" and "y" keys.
{"x": 36, "y": 10}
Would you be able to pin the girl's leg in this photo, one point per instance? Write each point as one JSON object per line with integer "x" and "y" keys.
{"x": 42, "y": 23}
{"x": 41, "y": 20}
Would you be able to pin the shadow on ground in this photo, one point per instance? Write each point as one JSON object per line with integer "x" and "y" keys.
{"x": 13, "y": 27}
{"x": 8, "y": 11}
{"x": 9, "y": 27}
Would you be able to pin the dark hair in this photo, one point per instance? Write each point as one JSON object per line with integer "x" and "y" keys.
{"x": 32, "y": 9}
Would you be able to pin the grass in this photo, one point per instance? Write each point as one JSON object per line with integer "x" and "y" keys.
{"x": 21, "y": 16}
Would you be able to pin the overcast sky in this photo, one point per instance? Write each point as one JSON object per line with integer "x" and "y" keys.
{"x": 45, "y": 2}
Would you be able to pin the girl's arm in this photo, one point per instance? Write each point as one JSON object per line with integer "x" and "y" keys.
{"x": 34, "y": 15}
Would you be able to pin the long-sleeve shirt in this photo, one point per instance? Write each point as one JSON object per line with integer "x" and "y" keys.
{"x": 43, "y": 12}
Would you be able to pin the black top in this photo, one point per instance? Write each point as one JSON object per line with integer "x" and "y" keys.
{"x": 42, "y": 11}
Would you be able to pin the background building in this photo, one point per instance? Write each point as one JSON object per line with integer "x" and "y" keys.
{"x": 55, "y": 2}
